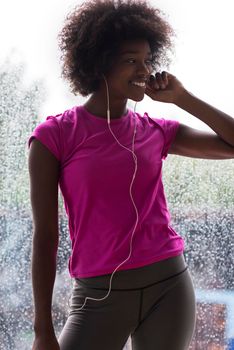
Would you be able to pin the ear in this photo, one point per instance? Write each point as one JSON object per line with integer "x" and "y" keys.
{"x": 97, "y": 74}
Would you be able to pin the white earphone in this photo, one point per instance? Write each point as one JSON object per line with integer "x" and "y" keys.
{"x": 135, "y": 160}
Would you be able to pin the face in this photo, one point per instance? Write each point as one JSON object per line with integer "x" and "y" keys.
{"x": 130, "y": 71}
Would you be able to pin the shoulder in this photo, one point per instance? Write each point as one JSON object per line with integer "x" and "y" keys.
{"x": 60, "y": 125}
{"x": 162, "y": 124}
{"x": 54, "y": 130}
{"x": 67, "y": 117}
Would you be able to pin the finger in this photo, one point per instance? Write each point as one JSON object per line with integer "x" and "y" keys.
{"x": 160, "y": 81}
{"x": 153, "y": 82}
{"x": 165, "y": 77}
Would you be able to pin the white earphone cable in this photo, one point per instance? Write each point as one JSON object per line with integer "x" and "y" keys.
{"x": 135, "y": 160}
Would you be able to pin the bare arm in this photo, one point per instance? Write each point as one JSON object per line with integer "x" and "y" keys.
{"x": 44, "y": 174}
{"x": 190, "y": 142}
{"x": 194, "y": 143}
{"x": 220, "y": 122}
{"x": 200, "y": 144}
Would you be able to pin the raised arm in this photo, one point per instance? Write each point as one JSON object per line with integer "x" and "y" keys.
{"x": 194, "y": 143}
{"x": 44, "y": 174}
{"x": 190, "y": 142}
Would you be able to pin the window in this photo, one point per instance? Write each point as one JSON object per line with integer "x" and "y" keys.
{"x": 200, "y": 193}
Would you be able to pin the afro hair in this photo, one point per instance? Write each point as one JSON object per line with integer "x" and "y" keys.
{"x": 93, "y": 32}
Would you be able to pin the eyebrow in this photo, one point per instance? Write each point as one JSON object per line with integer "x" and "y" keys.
{"x": 129, "y": 52}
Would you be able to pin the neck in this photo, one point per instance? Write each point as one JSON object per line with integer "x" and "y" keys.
{"x": 97, "y": 105}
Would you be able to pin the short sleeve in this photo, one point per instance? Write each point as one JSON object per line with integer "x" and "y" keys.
{"x": 170, "y": 128}
{"x": 49, "y": 134}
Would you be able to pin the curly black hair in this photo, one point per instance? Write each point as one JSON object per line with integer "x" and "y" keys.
{"x": 93, "y": 32}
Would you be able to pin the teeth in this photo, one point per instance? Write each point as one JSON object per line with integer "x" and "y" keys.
{"x": 138, "y": 84}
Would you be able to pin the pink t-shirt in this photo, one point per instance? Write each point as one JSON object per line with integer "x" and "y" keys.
{"x": 95, "y": 177}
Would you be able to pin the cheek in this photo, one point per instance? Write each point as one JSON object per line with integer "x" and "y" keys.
{"x": 124, "y": 69}
{"x": 150, "y": 69}
{"x": 120, "y": 78}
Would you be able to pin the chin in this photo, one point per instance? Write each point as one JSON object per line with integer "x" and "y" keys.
{"x": 137, "y": 99}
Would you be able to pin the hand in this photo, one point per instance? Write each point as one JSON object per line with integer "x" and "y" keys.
{"x": 48, "y": 342}
{"x": 164, "y": 87}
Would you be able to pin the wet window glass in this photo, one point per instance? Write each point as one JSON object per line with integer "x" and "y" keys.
{"x": 200, "y": 193}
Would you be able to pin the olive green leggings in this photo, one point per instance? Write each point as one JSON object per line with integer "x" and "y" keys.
{"x": 154, "y": 305}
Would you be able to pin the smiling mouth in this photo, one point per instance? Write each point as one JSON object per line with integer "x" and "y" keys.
{"x": 139, "y": 85}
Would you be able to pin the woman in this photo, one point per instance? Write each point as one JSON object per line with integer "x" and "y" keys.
{"x": 127, "y": 264}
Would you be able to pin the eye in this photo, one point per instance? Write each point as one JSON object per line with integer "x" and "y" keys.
{"x": 131, "y": 60}
{"x": 150, "y": 61}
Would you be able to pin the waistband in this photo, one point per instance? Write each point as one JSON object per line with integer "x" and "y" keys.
{"x": 138, "y": 278}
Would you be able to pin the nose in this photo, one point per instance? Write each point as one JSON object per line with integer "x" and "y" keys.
{"x": 144, "y": 69}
